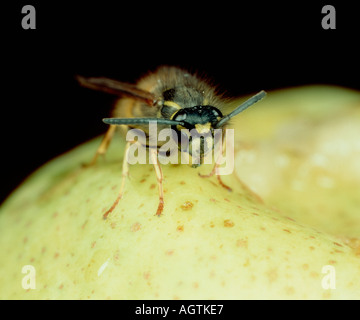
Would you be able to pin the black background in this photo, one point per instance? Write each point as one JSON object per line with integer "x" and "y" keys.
{"x": 243, "y": 46}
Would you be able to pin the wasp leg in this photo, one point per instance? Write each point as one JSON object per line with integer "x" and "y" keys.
{"x": 215, "y": 170}
{"x": 217, "y": 164}
{"x": 211, "y": 173}
{"x": 103, "y": 146}
{"x": 159, "y": 177}
{"x": 222, "y": 183}
{"x": 125, "y": 173}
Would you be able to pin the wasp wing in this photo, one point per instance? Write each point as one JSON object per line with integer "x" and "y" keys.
{"x": 117, "y": 88}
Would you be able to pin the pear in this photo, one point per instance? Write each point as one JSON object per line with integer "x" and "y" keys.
{"x": 287, "y": 230}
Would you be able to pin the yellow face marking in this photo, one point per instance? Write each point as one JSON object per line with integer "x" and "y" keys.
{"x": 203, "y": 128}
{"x": 172, "y": 104}
{"x": 179, "y": 127}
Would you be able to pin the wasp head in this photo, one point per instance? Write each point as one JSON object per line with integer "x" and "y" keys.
{"x": 196, "y": 133}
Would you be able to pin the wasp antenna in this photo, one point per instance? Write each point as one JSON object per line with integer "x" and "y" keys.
{"x": 241, "y": 108}
{"x": 139, "y": 121}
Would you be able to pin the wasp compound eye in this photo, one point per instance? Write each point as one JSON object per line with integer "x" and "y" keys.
{"x": 180, "y": 116}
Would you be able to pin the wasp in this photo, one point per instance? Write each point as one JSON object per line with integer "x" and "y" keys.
{"x": 172, "y": 98}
